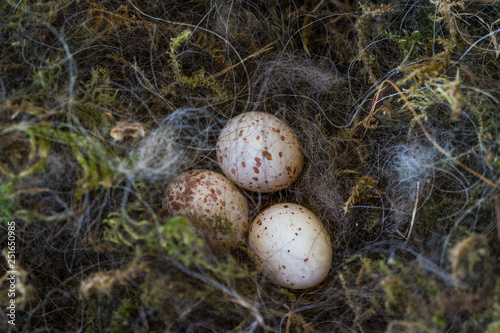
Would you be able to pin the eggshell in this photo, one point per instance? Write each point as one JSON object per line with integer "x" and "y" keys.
{"x": 259, "y": 152}
{"x": 292, "y": 244}
{"x": 215, "y": 207}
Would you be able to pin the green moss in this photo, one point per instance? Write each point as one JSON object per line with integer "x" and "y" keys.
{"x": 409, "y": 296}
{"x": 409, "y": 43}
{"x": 7, "y": 201}
{"x": 98, "y": 164}
{"x": 198, "y": 79}
{"x": 123, "y": 319}
{"x": 96, "y": 101}
{"x": 488, "y": 318}
{"x": 122, "y": 229}
{"x": 394, "y": 293}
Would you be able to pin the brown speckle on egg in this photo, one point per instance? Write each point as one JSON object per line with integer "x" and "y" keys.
{"x": 267, "y": 151}
{"x": 267, "y": 155}
{"x": 277, "y": 248}
{"x": 201, "y": 196}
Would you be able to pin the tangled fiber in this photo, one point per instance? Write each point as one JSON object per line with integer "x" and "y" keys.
{"x": 397, "y": 107}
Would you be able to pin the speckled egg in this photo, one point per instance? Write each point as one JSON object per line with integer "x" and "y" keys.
{"x": 292, "y": 244}
{"x": 259, "y": 152}
{"x": 214, "y": 206}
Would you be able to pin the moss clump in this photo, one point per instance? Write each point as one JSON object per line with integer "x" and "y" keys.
{"x": 197, "y": 79}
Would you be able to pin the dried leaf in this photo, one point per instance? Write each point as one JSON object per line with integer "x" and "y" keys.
{"x": 124, "y": 129}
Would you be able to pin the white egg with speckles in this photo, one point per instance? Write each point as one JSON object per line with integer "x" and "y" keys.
{"x": 292, "y": 244}
{"x": 259, "y": 152}
{"x": 213, "y": 204}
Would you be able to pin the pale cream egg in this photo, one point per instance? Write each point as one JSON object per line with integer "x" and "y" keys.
{"x": 213, "y": 205}
{"x": 292, "y": 245}
{"x": 260, "y": 152}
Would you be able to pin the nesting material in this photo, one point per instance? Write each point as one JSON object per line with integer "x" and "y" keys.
{"x": 214, "y": 205}
{"x": 292, "y": 245}
{"x": 259, "y": 152}
{"x": 125, "y": 129}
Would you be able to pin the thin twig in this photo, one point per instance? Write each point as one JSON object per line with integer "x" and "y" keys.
{"x": 289, "y": 319}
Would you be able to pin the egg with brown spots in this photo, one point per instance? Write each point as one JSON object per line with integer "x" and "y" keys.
{"x": 259, "y": 152}
{"x": 214, "y": 206}
{"x": 292, "y": 245}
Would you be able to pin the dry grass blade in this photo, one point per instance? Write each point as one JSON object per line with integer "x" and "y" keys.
{"x": 253, "y": 55}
